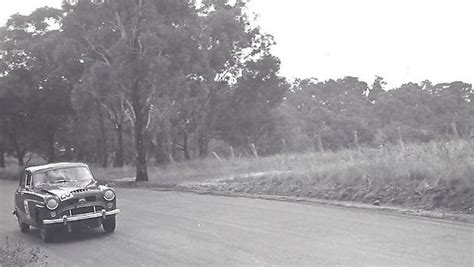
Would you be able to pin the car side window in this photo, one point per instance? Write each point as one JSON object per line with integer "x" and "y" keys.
{"x": 23, "y": 177}
{"x": 28, "y": 179}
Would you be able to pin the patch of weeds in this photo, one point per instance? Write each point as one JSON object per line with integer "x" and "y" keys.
{"x": 19, "y": 255}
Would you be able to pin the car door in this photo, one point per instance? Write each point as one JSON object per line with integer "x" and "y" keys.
{"x": 20, "y": 208}
{"x": 23, "y": 199}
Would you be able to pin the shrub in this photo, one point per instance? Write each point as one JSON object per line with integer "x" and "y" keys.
{"x": 11, "y": 172}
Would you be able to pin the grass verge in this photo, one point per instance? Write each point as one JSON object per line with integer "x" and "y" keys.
{"x": 433, "y": 176}
{"x": 436, "y": 176}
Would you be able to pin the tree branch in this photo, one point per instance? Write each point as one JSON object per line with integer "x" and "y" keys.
{"x": 127, "y": 109}
{"x": 123, "y": 31}
{"x": 95, "y": 49}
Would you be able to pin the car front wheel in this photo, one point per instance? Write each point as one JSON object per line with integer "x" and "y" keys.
{"x": 46, "y": 234}
{"x": 109, "y": 224}
{"x": 24, "y": 228}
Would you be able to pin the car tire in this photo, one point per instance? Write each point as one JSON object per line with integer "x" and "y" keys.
{"x": 24, "y": 228}
{"x": 46, "y": 234}
{"x": 109, "y": 224}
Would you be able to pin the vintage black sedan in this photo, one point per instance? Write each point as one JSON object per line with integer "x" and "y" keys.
{"x": 63, "y": 195}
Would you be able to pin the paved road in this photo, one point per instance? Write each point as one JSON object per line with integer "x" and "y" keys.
{"x": 170, "y": 228}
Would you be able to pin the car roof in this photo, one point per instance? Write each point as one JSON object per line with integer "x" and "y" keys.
{"x": 53, "y": 166}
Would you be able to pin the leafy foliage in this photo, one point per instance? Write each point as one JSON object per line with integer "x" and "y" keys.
{"x": 133, "y": 82}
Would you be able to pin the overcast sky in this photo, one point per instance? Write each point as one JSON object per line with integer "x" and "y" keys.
{"x": 400, "y": 40}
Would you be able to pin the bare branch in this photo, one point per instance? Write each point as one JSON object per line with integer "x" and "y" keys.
{"x": 97, "y": 50}
{"x": 149, "y": 115}
{"x": 128, "y": 110}
{"x": 123, "y": 31}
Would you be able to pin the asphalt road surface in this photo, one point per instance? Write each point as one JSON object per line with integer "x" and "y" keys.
{"x": 171, "y": 228}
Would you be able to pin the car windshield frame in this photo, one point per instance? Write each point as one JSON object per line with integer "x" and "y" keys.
{"x": 60, "y": 176}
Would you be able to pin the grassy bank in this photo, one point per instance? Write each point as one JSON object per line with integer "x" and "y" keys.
{"x": 433, "y": 176}
{"x": 430, "y": 176}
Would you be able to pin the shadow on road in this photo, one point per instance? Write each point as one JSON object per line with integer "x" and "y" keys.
{"x": 64, "y": 237}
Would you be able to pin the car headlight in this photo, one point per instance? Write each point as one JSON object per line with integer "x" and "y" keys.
{"x": 52, "y": 204}
{"x": 109, "y": 195}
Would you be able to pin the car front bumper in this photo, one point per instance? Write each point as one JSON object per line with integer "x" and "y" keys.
{"x": 74, "y": 218}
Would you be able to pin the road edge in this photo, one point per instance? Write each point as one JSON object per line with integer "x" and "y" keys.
{"x": 440, "y": 215}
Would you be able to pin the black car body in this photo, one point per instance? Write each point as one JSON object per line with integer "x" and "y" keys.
{"x": 63, "y": 195}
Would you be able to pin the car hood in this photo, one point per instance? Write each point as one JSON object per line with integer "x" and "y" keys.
{"x": 61, "y": 189}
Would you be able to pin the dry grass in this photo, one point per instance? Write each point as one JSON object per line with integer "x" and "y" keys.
{"x": 438, "y": 175}
{"x": 196, "y": 170}
{"x": 18, "y": 255}
{"x": 429, "y": 176}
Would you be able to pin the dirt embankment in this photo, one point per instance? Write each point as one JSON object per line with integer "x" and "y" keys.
{"x": 436, "y": 176}
{"x": 450, "y": 196}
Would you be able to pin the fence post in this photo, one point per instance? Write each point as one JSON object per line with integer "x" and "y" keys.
{"x": 254, "y": 150}
{"x": 284, "y": 146}
{"x": 171, "y": 158}
{"x": 320, "y": 143}
{"x": 217, "y": 156}
{"x": 455, "y": 130}
{"x": 400, "y": 139}
{"x": 356, "y": 142}
{"x": 2, "y": 156}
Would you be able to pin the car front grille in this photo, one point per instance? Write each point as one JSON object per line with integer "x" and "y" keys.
{"x": 79, "y": 191}
{"x": 82, "y": 210}
{"x": 74, "y": 201}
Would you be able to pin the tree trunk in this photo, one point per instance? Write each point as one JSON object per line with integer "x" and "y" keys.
{"x": 20, "y": 155}
{"x": 173, "y": 149}
{"x": 103, "y": 137}
{"x": 160, "y": 150}
{"x": 185, "y": 146}
{"x": 51, "y": 150}
{"x": 203, "y": 144}
{"x": 69, "y": 153}
{"x": 139, "y": 108}
{"x": 118, "y": 162}
{"x": 139, "y": 128}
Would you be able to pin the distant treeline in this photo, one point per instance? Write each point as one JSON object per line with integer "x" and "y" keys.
{"x": 131, "y": 82}
{"x": 344, "y": 113}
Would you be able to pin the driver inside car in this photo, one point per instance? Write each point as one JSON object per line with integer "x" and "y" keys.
{"x": 40, "y": 179}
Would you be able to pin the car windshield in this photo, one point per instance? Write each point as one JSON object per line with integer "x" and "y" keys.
{"x": 60, "y": 176}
